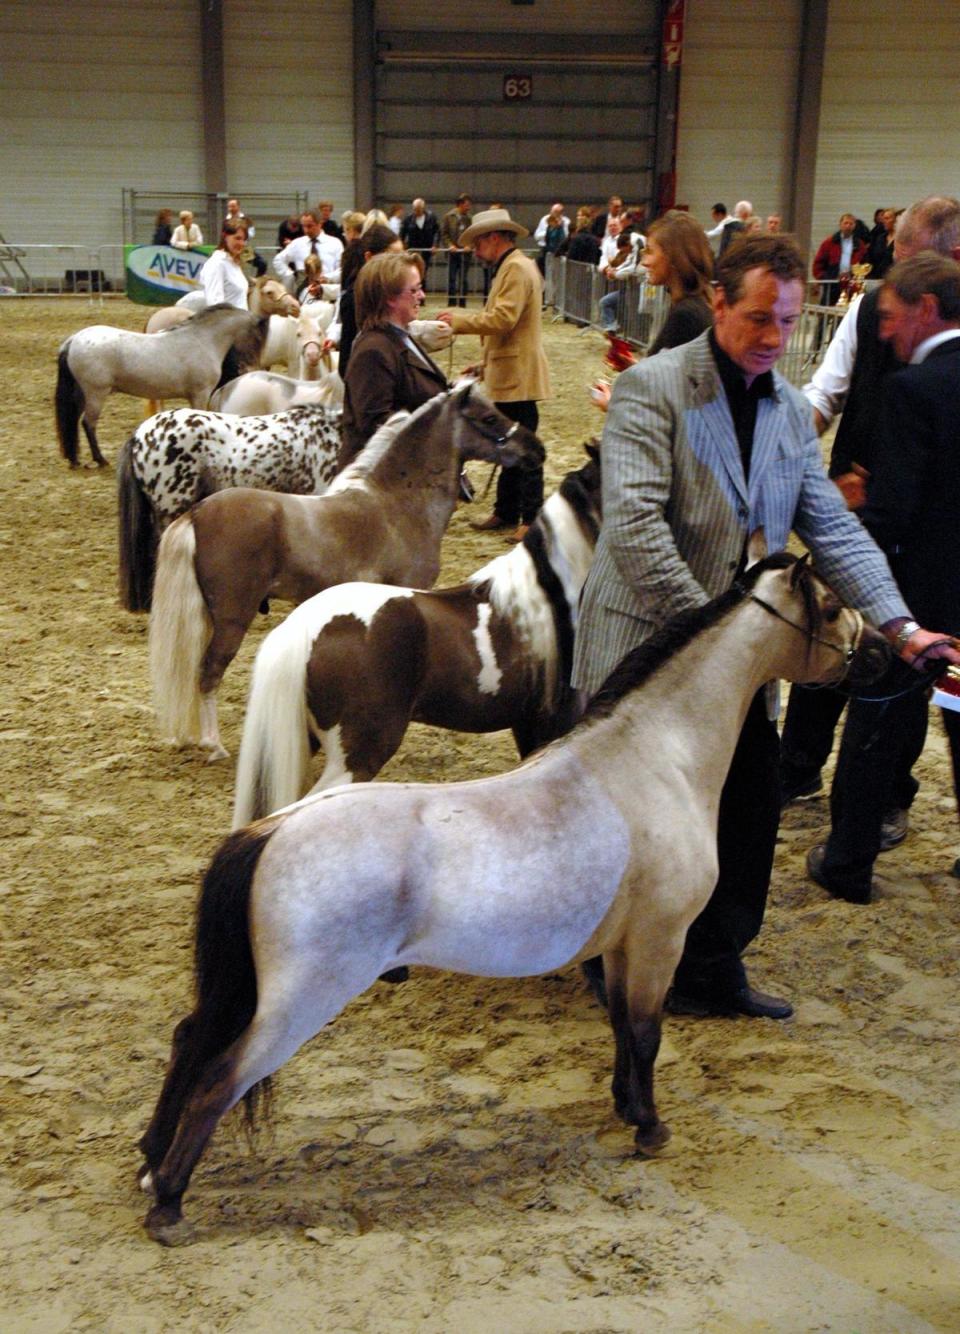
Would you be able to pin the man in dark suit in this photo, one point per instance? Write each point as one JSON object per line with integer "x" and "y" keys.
{"x": 913, "y": 500}
{"x": 420, "y": 231}
{"x": 703, "y": 445}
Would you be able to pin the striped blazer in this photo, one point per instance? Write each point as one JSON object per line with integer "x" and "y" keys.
{"x": 678, "y": 511}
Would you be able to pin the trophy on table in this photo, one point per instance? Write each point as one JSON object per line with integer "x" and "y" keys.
{"x": 851, "y": 284}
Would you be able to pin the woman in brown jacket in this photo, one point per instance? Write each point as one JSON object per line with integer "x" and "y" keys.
{"x": 388, "y": 369}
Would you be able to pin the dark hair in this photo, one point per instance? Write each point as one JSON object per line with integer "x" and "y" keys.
{"x": 930, "y": 273}
{"x": 719, "y": 208}
{"x": 685, "y": 244}
{"x": 376, "y": 239}
{"x": 230, "y": 227}
{"x": 778, "y": 254}
{"x": 462, "y": 199}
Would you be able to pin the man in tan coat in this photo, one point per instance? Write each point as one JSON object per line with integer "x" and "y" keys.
{"x": 514, "y": 368}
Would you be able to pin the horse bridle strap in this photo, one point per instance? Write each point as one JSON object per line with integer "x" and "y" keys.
{"x": 847, "y": 654}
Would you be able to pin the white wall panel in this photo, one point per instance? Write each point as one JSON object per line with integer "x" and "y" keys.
{"x": 737, "y": 103}
{"x": 288, "y": 75}
{"x": 93, "y": 98}
{"x": 889, "y": 124}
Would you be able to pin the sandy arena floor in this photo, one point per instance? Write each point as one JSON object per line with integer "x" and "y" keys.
{"x": 445, "y": 1156}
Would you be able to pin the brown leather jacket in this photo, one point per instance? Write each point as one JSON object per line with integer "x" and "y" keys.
{"x": 383, "y": 375}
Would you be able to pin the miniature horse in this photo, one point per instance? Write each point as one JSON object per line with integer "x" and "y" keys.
{"x": 357, "y": 663}
{"x": 382, "y": 520}
{"x": 603, "y": 843}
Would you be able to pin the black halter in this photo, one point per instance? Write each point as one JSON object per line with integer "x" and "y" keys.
{"x": 848, "y": 654}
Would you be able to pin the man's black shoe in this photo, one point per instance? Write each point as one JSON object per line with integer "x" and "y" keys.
{"x": 745, "y": 1001}
{"x": 895, "y": 828}
{"x": 793, "y": 788}
{"x": 815, "y": 859}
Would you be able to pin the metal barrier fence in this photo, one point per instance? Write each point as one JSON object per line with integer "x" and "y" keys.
{"x": 639, "y": 311}
{"x": 581, "y": 295}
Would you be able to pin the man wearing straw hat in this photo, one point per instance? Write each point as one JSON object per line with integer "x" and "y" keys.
{"x": 514, "y": 368}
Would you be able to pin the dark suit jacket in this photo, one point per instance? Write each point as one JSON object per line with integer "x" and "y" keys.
{"x": 422, "y": 237}
{"x": 383, "y": 376}
{"x": 913, "y": 497}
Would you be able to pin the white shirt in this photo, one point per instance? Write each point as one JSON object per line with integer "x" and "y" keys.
{"x": 292, "y": 256}
{"x": 184, "y": 239}
{"x": 923, "y": 350}
{"x": 540, "y": 235}
{"x": 222, "y": 280}
{"x": 827, "y": 391}
{"x": 846, "y": 253}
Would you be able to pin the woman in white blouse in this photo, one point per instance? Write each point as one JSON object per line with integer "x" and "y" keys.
{"x": 222, "y": 277}
{"x": 188, "y": 233}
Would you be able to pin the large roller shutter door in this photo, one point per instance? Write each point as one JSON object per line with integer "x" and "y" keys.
{"x": 522, "y": 119}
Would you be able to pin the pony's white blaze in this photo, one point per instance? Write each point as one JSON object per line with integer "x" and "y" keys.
{"x": 489, "y": 676}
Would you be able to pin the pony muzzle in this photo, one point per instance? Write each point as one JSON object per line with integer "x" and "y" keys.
{"x": 868, "y": 659}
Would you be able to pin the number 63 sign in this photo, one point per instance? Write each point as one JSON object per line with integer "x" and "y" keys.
{"x": 517, "y": 87}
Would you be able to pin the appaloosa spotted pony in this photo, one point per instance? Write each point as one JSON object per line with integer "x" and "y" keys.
{"x": 176, "y": 458}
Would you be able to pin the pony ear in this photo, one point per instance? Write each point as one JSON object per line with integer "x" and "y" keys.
{"x": 799, "y": 569}
{"x": 756, "y": 547}
{"x": 592, "y": 447}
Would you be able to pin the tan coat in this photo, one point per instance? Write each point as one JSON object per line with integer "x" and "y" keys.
{"x": 514, "y": 365}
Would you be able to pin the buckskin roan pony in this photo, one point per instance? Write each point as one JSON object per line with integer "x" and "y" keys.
{"x": 382, "y": 520}
{"x": 356, "y": 664}
{"x": 604, "y": 843}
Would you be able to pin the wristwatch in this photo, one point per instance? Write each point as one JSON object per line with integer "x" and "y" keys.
{"x": 903, "y": 634}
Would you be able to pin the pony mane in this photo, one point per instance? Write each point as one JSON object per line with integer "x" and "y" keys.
{"x": 640, "y": 663}
{"x": 208, "y": 314}
{"x": 525, "y": 586}
{"x": 373, "y": 451}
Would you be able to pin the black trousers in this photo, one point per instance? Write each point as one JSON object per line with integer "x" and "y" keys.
{"x": 877, "y": 740}
{"x": 807, "y": 740}
{"x": 458, "y": 276}
{"x": 746, "y": 840}
{"x": 519, "y": 492}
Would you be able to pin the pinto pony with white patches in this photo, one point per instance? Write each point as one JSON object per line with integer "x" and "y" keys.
{"x": 175, "y": 459}
{"x": 187, "y": 362}
{"x": 381, "y": 521}
{"x": 355, "y": 665}
{"x": 604, "y": 843}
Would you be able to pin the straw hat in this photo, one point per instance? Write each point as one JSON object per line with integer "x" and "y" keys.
{"x": 493, "y": 220}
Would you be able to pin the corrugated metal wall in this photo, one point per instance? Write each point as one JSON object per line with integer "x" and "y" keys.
{"x": 889, "y": 122}
{"x": 94, "y": 97}
{"x": 738, "y": 88}
{"x": 288, "y": 74}
{"x": 493, "y": 16}
{"x": 444, "y": 122}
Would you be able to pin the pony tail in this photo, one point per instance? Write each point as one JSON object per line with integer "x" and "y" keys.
{"x": 180, "y": 630}
{"x": 275, "y": 748}
{"x": 224, "y": 972}
{"x": 69, "y": 402}
{"x": 136, "y": 535}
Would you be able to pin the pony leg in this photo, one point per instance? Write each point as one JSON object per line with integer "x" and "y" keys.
{"x": 275, "y": 1034}
{"x": 635, "y": 1015}
{"x": 209, "y": 728}
{"x": 158, "y": 1136}
{"x": 91, "y": 415}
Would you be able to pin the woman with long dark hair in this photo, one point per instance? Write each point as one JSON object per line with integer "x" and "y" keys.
{"x": 677, "y": 256}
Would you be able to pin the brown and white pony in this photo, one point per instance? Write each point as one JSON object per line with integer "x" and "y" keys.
{"x": 353, "y": 666}
{"x": 382, "y": 521}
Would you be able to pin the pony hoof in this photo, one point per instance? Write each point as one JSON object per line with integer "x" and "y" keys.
{"x": 217, "y": 752}
{"x": 651, "y": 1139}
{"x": 169, "y": 1229}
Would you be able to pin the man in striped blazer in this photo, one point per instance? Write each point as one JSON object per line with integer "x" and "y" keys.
{"x": 703, "y": 446}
